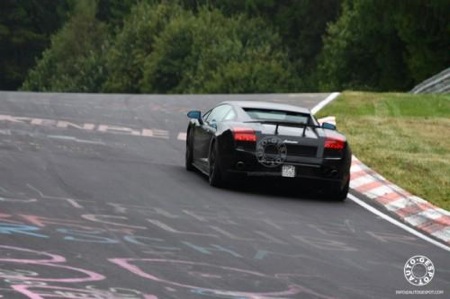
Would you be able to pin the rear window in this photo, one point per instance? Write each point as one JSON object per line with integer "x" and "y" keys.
{"x": 278, "y": 115}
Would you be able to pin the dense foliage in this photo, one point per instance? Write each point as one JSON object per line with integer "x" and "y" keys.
{"x": 386, "y": 45}
{"x": 74, "y": 62}
{"x": 25, "y": 29}
{"x": 221, "y": 46}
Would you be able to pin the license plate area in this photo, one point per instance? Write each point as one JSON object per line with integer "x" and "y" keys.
{"x": 288, "y": 171}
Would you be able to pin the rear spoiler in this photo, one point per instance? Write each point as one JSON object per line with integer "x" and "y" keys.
{"x": 284, "y": 123}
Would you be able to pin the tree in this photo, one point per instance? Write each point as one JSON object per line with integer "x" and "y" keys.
{"x": 362, "y": 50}
{"x": 385, "y": 45}
{"x": 133, "y": 43}
{"x": 74, "y": 60}
{"x": 208, "y": 52}
{"x": 114, "y": 12}
{"x": 164, "y": 48}
{"x": 25, "y": 29}
{"x": 424, "y": 28}
{"x": 227, "y": 45}
{"x": 300, "y": 24}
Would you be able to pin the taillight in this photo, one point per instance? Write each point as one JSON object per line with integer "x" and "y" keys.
{"x": 244, "y": 134}
{"x": 334, "y": 144}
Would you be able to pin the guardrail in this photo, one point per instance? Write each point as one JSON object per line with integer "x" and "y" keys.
{"x": 439, "y": 83}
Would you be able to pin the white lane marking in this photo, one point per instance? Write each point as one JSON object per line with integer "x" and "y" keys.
{"x": 70, "y": 138}
{"x": 397, "y": 223}
{"x": 182, "y": 136}
{"x": 325, "y": 102}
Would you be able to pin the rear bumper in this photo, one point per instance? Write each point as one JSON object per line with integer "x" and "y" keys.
{"x": 302, "y": 172}
{"x": 244, "y": 163}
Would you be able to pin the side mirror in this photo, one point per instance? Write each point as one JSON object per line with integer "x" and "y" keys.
{"x": 195, "y": 114}
{"x": 329, "y": 126}
{"x": 213, "y": 124}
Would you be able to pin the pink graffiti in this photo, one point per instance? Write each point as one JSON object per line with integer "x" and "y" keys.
{"x": 43, "y": 292}
{"x": 46, "y": 257}
{"x": 176, "y": 264}
{"x": 290, "y": 276}
{"x": 5, "y": 218}
{"x": 47, "y": 260}
{"x": 40, "y": 221}
{"x": 45, "y": 221}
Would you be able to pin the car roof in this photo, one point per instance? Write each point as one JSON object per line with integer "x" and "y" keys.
{"x": 268, "y": 105}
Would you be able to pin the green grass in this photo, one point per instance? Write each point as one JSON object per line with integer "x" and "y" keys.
{"x": 404, "y": 137}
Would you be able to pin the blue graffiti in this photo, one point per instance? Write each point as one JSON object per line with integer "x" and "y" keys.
{"x": 20, "y": 229}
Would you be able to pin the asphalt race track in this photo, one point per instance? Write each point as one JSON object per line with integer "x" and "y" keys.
{"x": 95, "y": 203}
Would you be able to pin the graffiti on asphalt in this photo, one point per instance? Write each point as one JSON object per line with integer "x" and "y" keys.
{"x": 169, "y": 248}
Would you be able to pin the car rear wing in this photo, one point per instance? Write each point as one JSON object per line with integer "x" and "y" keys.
{"x": 278, "y": 123}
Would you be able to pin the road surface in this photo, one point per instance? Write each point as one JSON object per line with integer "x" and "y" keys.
{"x": 95, "y": 203}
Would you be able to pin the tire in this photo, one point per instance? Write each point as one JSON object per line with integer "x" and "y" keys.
{"x": 189, "y": 157}
{"x": 339, "y": 193}
{"x": 216, "y": 177}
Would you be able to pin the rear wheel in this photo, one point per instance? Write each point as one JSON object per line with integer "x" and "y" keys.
{"x": 189, "y": 158}
{"x": 216, "y": 177}
{"x": 340, "y": 193}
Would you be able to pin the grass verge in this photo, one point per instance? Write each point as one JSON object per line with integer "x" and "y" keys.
{"x": 404, "y": 137}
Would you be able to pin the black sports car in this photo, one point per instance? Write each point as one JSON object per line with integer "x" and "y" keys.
{"x": 246, "y": 138}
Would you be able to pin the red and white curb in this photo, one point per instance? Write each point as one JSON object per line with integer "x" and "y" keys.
{"x": 413, "y": 210}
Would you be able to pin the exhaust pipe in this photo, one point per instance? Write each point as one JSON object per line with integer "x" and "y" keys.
{"x": 330, "y": 172}
{"x": 240, "y": 165}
